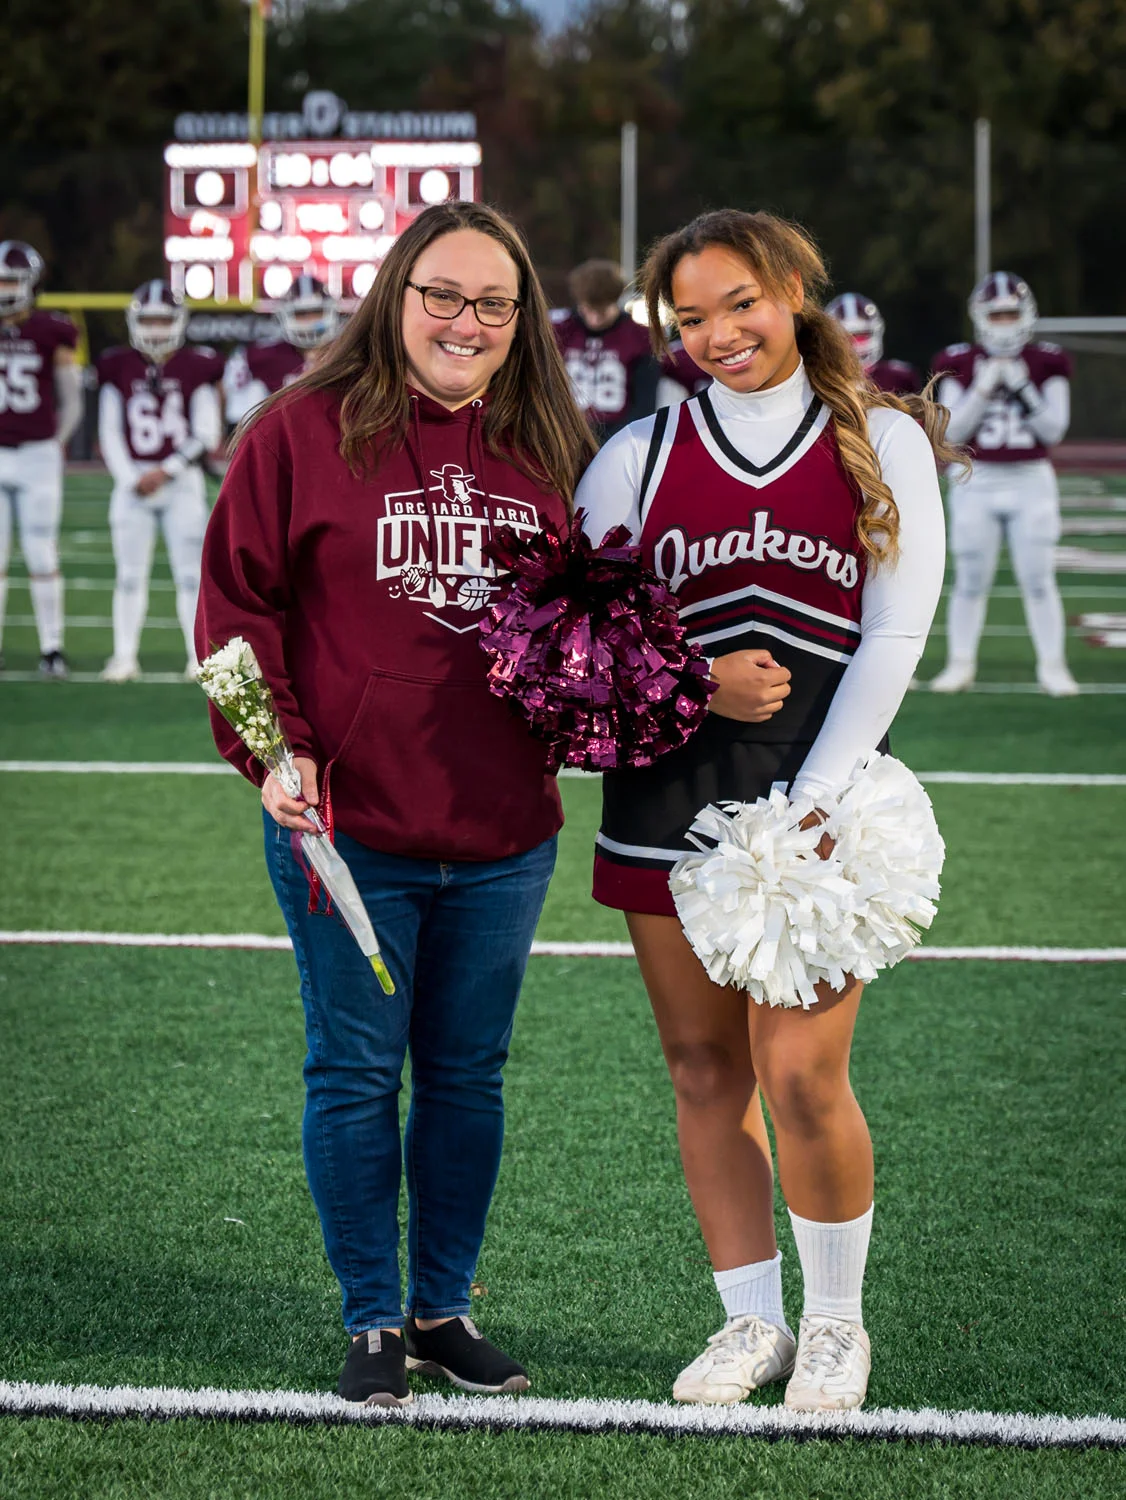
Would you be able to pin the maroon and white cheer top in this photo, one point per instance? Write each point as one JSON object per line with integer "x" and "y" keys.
{"x": 742, "y": 505}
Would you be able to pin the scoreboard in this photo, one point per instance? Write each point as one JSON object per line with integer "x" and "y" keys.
{"x": 331, "y": 207}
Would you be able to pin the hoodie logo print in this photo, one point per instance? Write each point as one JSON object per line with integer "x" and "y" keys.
{"x": 430, "y": 547}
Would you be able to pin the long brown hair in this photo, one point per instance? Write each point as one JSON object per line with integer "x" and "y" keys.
{"x": 532, "y": 417}
{"x": 778, "y": 251}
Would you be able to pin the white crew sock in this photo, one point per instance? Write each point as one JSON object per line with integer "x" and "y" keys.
{"x": 756, "y": 1288}
{"x": 47, "y": 602}
{"x": 832, "y": 1261}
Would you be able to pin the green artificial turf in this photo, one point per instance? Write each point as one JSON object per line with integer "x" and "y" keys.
{"x": 157, "y": 1228}
{"x": 152, "y": 853}
{"x": 158, "y": 1101}
{"x": 193, "y": 1460}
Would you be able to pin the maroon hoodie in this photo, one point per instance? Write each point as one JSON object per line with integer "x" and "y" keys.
{"x": 362, "y": 599}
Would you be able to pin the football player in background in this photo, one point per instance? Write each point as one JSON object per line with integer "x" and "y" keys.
{"x": 861, "y": 320}
{"x": 40, "y": 407}
{"x": 309, "y": 319}
{"x": 681, "y": 377}
{"x": 611, "y": 367}
{"x": 158, "y": 418}
{"x": 1009, "y": 399}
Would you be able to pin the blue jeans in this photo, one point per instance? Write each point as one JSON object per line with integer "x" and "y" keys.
{"x": 456, "y": 938}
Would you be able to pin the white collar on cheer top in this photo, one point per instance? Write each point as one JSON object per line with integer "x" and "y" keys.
{"x": 790, "y": 399}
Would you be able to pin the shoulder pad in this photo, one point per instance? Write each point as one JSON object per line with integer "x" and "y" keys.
{"x": 559, "y": 314}
{"x": 109, "y": 357}
{"x": 1047, "y": 348}
{"x": 956, "y": 349}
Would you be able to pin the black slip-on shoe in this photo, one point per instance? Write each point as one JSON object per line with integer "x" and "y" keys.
{"x": 375, "y": 1371}
{"x": 460, "y": 1352}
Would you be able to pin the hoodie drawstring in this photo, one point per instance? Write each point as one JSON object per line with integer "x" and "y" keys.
{"x": 477, "y": 459}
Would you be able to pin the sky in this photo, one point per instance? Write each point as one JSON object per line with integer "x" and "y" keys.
{"x": 553, "y": 12}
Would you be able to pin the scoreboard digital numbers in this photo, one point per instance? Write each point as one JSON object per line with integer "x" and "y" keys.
{"x": 334, "y": 189}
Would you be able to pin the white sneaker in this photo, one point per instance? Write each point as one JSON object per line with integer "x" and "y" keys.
{"x": 955, "y": 677}
{"x": 832, "y": 1366}
{"x": 1057, "y": 681}
{"x": 120, "y": 671}
{"x": 743, "y": 1355}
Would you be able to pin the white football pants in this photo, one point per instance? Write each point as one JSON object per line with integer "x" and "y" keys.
{"x": 1019, "y": 502}
{"x": 31, "y": 491}
{"x": 179, "y": 508}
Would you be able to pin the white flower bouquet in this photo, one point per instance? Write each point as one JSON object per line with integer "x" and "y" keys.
{"x": 232, "y": 679}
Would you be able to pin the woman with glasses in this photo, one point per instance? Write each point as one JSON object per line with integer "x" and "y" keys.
{"x": 348, "y": 546}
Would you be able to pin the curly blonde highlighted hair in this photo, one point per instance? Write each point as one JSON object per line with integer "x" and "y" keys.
{"x": 778, "y": 251}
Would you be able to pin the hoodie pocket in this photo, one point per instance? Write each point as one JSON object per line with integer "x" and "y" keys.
{"x": 441, "y": 769}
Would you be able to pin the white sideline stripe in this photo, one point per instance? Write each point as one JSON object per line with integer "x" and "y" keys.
{"x": 545, "y": 1414}
{"x": 263, "y": 940}
{"x": 221, "y": 768}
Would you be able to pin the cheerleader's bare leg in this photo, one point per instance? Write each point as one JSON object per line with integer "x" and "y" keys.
{"x": 801, "y": 1060}
{"x": 723, "y": 1142}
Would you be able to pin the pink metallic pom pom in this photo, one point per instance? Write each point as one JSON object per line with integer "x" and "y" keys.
{"x": 587, "y": 647}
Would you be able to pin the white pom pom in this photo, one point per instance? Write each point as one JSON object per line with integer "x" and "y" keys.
{"x": 765, "y": 913}
{"x": 892, "y": 852}
{"x": 760, "y": 909}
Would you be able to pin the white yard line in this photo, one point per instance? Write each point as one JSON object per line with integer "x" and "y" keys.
{"x": 220, "y": 768}
{"x": 258, "y": 941}
{"x": 547, "y": 1414}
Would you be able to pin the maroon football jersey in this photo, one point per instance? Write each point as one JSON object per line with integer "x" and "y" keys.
{"x": 27, "y": 376}
{"x": 609, "y": 371}
{"x": 158, "y": 397}
{"x": 275, "y": 364}
{"x": 1004, "y": 436}
{"x": 676, "y": 365}
{"x": 896, "y": 376}
{"x": 761, "y": 556}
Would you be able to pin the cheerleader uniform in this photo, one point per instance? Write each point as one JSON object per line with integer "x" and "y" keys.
{"x": 741, "y": 504}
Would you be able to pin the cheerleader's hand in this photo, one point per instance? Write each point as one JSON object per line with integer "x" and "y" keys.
{"x": 811, "y": 820}
{"x": 752, "y": 686}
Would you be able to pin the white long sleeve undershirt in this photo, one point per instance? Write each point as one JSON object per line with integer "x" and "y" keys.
{"x": 897, "y": 602}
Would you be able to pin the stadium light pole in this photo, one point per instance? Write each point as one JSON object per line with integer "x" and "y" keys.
{"x": 255, "y": 104}
{"x": 628, "y": 235}
{"x": 983, "y": 250}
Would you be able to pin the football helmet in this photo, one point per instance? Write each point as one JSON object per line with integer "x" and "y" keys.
{"x": 20, "y": 270}
{"x": 1003, "y": 312}
{"x": 157, "y": 320}
{"x": 861, "y": 320}
{"x": 307, "y": 314}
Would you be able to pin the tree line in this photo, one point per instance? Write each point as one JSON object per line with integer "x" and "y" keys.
{"x": 853, "y": 116}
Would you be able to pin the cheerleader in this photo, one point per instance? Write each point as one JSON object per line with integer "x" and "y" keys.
{"x": 795, "y": 512}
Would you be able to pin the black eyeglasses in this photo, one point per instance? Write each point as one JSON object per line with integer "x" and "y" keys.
{"x": 442, "y": 302}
